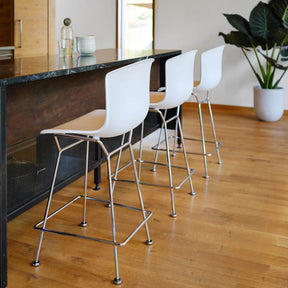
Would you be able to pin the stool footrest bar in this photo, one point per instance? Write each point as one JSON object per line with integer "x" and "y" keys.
{"x": 219, "y": 144}
{"x": 149, "y": 214}
{"x": 192, "y": 171}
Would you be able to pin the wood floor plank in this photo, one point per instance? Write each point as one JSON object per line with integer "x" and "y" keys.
{"x": 231, "y": 234}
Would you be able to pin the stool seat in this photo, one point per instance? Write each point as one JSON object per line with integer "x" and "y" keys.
{"x": 156, "y": 98}
{"x": 89, "y": 124}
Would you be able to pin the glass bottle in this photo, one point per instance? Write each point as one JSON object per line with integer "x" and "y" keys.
{"x": 67, "y": 38}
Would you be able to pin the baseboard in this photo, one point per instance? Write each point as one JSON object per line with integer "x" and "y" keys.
{"x": 224, "y": 107}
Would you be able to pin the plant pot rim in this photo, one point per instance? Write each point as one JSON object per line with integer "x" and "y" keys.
{"x": 259, "y": 87}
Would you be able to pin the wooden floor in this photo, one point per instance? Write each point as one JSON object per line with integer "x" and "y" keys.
{"x": 233, "y": 233}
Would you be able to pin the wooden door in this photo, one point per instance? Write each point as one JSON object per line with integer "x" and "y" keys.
{"x": 34, "y": 27}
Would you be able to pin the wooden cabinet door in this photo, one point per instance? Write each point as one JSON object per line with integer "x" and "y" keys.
{"x": 6, "y": 23}
{"x": 33, "y": 27}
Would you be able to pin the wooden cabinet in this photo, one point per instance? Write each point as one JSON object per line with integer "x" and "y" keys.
{"x": 29, "y": 26}
{"x": 34, "y": 27}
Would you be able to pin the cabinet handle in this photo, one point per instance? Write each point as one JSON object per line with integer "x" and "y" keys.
{"x": 20, "y": 30}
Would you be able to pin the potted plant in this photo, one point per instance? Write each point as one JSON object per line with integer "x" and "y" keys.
{"x": 266, "y": 34}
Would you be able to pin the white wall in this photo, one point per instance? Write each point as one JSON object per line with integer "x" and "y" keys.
{"x": 182, "y": 24}
{"x": 89, "y": 17}
{"x": 195, "y": 24}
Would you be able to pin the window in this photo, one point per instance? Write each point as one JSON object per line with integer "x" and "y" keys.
{"x": 135, "y": 24}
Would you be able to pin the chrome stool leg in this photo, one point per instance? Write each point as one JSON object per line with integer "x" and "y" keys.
{"x": 148, "y": 241}
{"x": 118, "y": 162}
{"x": 117, "y": 167}
{"x": 173, "y": 214}
{"x": 84, "y": 223}
{"x": 137, "y": 177}
{"x": 175, "y": 139}
{"x": 60, "y": 150}
{"x": 37, "y": 262}
{"x": 158, "y": 145}
{"x": 117, "y": 279}
{"x": 185, "y": 154}
{"x": 204, "y": 153}
{"x": 203, "y": 140}
{"x": 213, "y": 128}
{"x": 141, "y": 149}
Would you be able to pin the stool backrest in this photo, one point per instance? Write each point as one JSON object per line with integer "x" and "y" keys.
{"x": 127, "y": 97}
{"x": 179, "y": 72}
{"x": 211, "y": 69}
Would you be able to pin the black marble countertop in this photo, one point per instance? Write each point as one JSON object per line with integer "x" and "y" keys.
{"x": 36, "y": 68}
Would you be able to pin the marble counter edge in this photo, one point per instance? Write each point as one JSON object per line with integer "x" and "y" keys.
{"x": 81, "y": 69}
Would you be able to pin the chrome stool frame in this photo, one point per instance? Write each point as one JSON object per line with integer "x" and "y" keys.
{"x": 217, "y": 144}
{"x": 204, "y": 153}
{"x": 171, "y": 186}
{"x": 41, "y": 226}
{"x": 211, "y": 73}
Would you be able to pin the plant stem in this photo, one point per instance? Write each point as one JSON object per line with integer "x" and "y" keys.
{"x": 270, "y": 75}
{"x": 278, "y": 81}
{"x": 254, "y": 71}
{"x": 264, "y": 76}
{"x": 277, "y": 59}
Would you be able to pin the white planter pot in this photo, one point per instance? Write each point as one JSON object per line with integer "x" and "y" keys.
{"x": 269, "y": 103}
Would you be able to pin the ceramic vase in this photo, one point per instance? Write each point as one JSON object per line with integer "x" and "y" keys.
{"x": 269, "y": 103}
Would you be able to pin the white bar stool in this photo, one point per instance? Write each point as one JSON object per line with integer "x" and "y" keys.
{"x": 211, "y": 74}
{"x": 125, "y": 109}
{"x": 178, "y": 72}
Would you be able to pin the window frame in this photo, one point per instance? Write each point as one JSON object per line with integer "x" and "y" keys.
{"x": 119, "y": 23}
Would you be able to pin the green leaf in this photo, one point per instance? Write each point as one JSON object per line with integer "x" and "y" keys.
{"x": 237, "y": 38}
{"x": 280, "y": 8}
{"x": 238, "y": 22}
{"x": 273, "y": 62}
{"x": 268, "y": 28}
{"x": 278, "y": 37}
{"x": 260, "y": 81}
{"x": 261, "y": 20}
